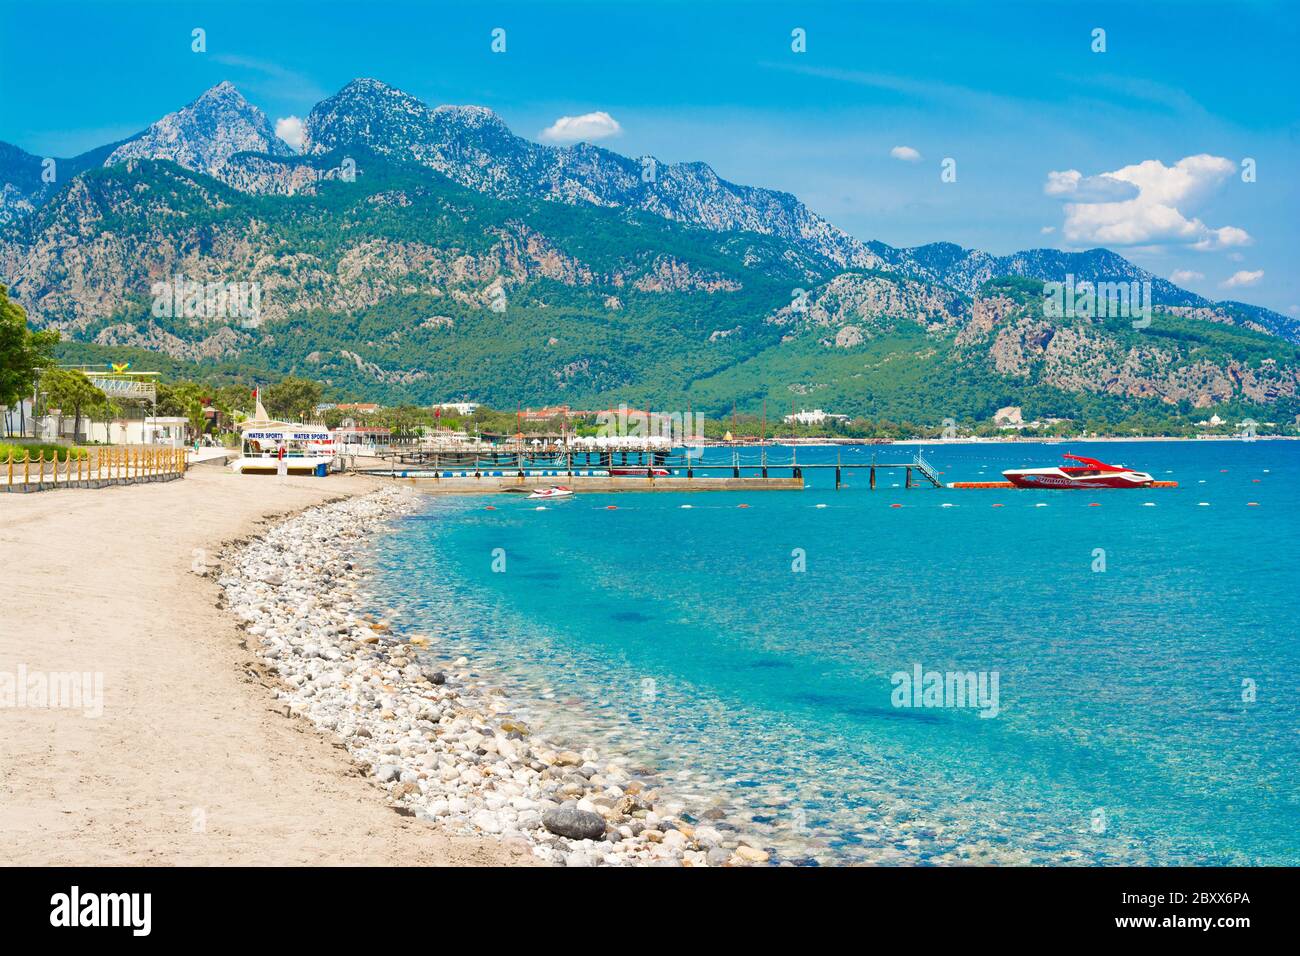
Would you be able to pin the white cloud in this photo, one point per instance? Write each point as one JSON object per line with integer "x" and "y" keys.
{"x": 906, "y": 153}
{"x": 291, "y": 130}
{"x": 588, "y": 127}
{"x": 1047, "y": 230}
{"x": 1077, "y": 187}
{"x": 1140, "y": 204}
{"x": 1181, "y": 276}
{"x": 1243, "y": 277}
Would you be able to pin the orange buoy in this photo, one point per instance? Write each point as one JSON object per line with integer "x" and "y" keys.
{"x": 1094, "y": 504}
{"x": 490, "y": 508}
{"x": 1254, "y": 481}
{"x": 742, "y": 506}
{"x": 895, "y": 506}
{"x": 611, "y": 507}
{"x": 998, "y": 505}
{"x": 1252, "y": 504}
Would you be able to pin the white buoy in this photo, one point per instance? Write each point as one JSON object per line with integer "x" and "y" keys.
{"x": 688, "y": 506}
{"x": 1148, "y": 504}
{"x": 947, "y": 504}
{"x": 540, "y": 508}
{"x": 1040, "y": 504}
{"x": 1202, "y": 504}
{"x": 819, "y": 506}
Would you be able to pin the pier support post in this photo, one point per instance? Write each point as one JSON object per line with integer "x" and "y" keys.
{"x": 837, "y": 477}
{"x": 907, "y": 480}
{"x": 873, "y": 478}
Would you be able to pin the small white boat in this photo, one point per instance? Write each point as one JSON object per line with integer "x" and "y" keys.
{"x": 556, "y": 491}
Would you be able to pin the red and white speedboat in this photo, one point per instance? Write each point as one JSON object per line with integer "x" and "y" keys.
{"x": 1089, "y": 473}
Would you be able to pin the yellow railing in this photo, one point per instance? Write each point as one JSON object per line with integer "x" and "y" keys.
{"x": 110, "y": 464}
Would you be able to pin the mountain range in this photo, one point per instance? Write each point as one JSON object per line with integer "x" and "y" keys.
{"x": 414, "y": 253}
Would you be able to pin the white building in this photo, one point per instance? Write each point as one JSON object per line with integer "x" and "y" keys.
{"x": 16, "y": 420}
{"x": 152, "y": 430}
{"x": 355, "y": 440}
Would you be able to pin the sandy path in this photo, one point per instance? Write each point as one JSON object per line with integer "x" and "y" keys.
{"x": 191, "y": 761}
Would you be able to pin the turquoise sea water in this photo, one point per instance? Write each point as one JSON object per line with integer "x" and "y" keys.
{"x": 686, "y": 639}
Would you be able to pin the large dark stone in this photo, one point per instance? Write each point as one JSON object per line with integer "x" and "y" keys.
{"x": 573, "y": 823}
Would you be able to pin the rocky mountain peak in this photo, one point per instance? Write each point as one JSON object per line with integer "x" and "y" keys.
{"x": 203, "y": 135}
{"x": 472, "y": 117}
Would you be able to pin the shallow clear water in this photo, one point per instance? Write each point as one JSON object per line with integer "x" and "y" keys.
{"x": 686, "y": 639}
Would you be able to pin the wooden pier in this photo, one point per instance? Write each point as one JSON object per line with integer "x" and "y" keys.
{"x": 641, "y": 470}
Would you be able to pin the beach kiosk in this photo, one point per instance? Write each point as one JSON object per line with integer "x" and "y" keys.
{"x": 307, "y": 449}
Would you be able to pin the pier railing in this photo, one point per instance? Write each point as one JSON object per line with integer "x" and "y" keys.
{"x": 90, "y": 468}
{"x": 631, "y": 464}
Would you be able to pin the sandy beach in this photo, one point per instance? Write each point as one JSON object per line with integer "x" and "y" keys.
{"x": 192, "y": 760}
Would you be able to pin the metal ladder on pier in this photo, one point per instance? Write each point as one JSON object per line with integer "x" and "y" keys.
{"x": 926, "y": 470}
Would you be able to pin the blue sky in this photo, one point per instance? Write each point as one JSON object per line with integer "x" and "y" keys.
{"x": 1011, "y": 91}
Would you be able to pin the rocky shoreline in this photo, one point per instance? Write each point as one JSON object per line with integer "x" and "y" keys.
{"x": 444, "y": 745}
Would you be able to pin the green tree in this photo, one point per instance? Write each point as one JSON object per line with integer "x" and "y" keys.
{"x": 66, "y": 389}
{"x": 23, "y": 353}
{"x": 293, "y": 398}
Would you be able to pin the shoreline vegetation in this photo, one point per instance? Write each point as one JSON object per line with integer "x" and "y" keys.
{"x": 444, "y": 743}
